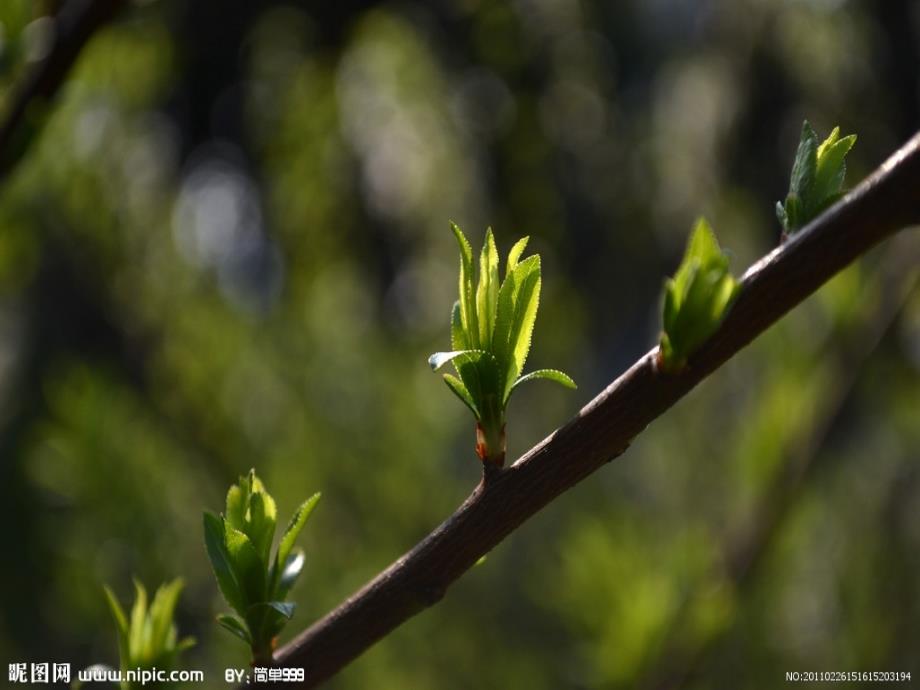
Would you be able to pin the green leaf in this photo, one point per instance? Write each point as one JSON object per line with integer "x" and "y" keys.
{"x": 292, "y": 568}
{"x": 479, "y": 373}
{"x": 487, "y": 290}
{"x": 515, "y": 254}
{"x": 457, "y": 387}
{"x": 238, "y": 502}
{"x": 121, "y": 623}
{"x": 263, "y": 516}
{"x": 515, "y": 291}
{"x": 298, "y": 520}
{"x": 467, "y": 298}
{"x": 817, "y": 177}
{"x": 549, "y": 375}
{"x": 235, "y": 626}
{"x": 439, "y": 359}
{"x": 162, "y": 610}
{"x": 492, "y": 340}
{"x": 138, "y": 627}
{"x": 246, "y": 563}
{"x": 458, "y": 339}
{"x": 831, "y": 170}
{"x": 118, "y": 613}
{"x": 696, "y": 299}
{"x": 525, "y": 316}
{"x": 221, "y": 563}
{"x": 285, "y": 608}
{"x": 781, "y": 215}
{"x": 806, "y": 162}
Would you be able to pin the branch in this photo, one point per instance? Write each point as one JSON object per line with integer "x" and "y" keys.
{"x": 73, "y": 27}
{"x": 885, "y": 202}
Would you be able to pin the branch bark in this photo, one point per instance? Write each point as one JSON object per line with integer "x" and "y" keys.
{"x": 885, "y": 202}
{"x": 74, "y": 25}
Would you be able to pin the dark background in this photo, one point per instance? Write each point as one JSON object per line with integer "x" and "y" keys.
{"x": 229, "y": 248}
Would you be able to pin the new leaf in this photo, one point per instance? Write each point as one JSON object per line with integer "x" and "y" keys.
{"x": 817, "y": 178}
{"x": 253, "y": 582}
{"x": 490, "y": 332}
{"x": 696, "y": 299}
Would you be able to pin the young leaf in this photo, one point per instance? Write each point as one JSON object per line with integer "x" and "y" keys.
{"x": 147, "y": 639}
{"x": 487, "y": 291}
{"x": 252, "y": 582}
{"x": 491, "y": 335}
{"x": 458, "y": 339}
{"x": 285, "y": 608}
{"x": 439, "y": 359}
{"x": 138, "y": 627}
{"x": 235, "y": 626}
{"x": 817, "y": 177}
{"x": 237, "y": 503}
{"x": 479, "y": 373}
{"x": 549, "y": 375}
{"x": 515, "y": 254}
{"x": 261, "y": 528}
{"x": 247, "y": 565}
{"x": 696, "y": 299}
{"x": 161, "y": 614}
{"x": 467, "y": 298}
{"x": 517, "y": 288}
{"x": 298, "y": 520}
{"x": 121, "y": 623}
{"x": 221, "y": 563}
{"x": 456, "y": 385}
{"x": 524, "y": 317}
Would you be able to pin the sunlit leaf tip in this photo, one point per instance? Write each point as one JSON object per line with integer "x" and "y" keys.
{"x": 696, "y": 299}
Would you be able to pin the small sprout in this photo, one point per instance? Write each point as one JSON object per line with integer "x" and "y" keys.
{"x": 253, "y": 582}
{"x": 817, "y": 178}
{"x": 148, "y": 639}
{"x": 491, "y": 329}
{"x": 696, "y": 299}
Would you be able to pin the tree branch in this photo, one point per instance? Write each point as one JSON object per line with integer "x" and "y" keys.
{"x": 73, "y": 27}
{"x": 885, "y": 202}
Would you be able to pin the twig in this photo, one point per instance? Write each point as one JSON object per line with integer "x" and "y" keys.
{"x": 77, "y": 21}
{"x": 885, "y": 202}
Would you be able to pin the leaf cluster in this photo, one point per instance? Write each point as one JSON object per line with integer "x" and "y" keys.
{"x": 148, "y": 638}
{"x": 491, "y": 329}
{"x": 255, "y": 583}
{"x": 817, "y": 177}
{"x": 696, "y": 299}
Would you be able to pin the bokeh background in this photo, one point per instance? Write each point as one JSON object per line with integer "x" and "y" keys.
{"x": 228, "y": 247}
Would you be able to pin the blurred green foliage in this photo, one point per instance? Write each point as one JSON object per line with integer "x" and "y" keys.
{"x": 226, "y": 250}
{"x": 147, "y": 639}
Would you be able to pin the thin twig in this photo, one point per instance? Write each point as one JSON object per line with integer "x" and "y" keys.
{"x": 885, "y": 202}
{"x": 73, "y": 26}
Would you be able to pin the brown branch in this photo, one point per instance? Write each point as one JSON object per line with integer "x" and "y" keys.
{"x": 885, "y": 202}
{"x": 73, "y": 27}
